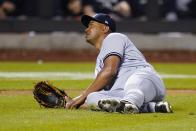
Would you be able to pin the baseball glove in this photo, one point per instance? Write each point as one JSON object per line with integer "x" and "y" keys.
{"x": 48, "y": 95}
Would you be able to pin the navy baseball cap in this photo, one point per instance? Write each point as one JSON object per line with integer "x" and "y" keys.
{"x": 101, "y": 18}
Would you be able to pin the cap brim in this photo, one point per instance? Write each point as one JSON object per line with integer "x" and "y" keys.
{"x": 86, "y": 20}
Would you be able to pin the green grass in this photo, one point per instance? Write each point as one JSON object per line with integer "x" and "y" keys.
{"x": 180, "y": 83}
{"x": 176, "y": 68}
{"x": 170, "y": 68}
{"x": 48, "y": 66}
{"x": 7, "y": 84}
{"x": 82, "y": 84}
{"x": 28, "y": 84}
{"x": 20, "y": 112}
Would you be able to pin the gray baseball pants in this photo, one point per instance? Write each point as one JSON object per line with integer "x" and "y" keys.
{"x": 143, "y": 86}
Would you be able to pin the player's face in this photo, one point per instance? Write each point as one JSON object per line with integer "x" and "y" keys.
{"x": 93, "y": 32}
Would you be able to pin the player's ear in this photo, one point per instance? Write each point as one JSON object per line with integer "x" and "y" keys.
{"x": 106, "y": 29}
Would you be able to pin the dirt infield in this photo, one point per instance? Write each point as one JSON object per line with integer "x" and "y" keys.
{"x": 87, "y": 55}
{"x": 78, "y": 91}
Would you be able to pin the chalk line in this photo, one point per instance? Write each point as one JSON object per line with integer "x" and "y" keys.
{"x": 72, "y": 75}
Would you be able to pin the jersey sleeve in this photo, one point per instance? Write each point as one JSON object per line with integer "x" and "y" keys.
{"x": 113, "y": 45}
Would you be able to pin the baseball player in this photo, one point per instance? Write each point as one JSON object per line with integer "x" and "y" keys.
{"x": 125, "y": 82}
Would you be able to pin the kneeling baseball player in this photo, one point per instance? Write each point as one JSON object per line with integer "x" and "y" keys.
{"x": 125, "y": 82}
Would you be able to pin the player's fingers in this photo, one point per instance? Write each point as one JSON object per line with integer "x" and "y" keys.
{"x": 69, "y": 105}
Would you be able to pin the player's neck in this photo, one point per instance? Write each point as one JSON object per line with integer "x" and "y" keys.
{"x": 99, "y": 42}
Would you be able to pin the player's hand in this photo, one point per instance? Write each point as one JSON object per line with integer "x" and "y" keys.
{"x": 76, "y": 102}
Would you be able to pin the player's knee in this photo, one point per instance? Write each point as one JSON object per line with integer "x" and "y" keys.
{"x": 92, "y": 99}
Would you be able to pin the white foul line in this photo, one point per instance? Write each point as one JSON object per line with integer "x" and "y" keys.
{"x": 178, "y": 76}
{"x": 71, "y": 75}
{"x": 47, "y": 75}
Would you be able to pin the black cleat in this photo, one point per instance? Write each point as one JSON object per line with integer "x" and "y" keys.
{"x": 112, "y": 105}
{"x": 163, "y": 107}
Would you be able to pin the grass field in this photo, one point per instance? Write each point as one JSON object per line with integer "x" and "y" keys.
{"x": 19, "y": 111}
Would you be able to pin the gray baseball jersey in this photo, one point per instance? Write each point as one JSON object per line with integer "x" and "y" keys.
{"x": 118, "y": 44}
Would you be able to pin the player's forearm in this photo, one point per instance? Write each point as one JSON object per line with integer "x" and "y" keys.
{"x": 102, "y": 79}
